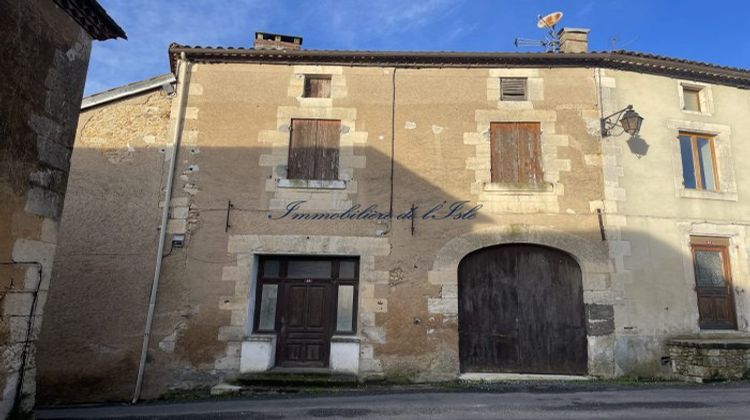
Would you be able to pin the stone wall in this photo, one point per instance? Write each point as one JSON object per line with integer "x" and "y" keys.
{"x": 710, "y": 360}
{"x": 45, "y": 56}
{"x": 105, "y": 263}
{"x": 234, "y": 144}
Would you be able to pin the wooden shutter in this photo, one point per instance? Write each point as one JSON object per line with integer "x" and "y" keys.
{"x": 513, "y": 89}
{"x": 314, "y": 150}
{"x": 327, "y": 150}
{"x": 516, "y": 153}
{"x": 317, "y": 87}
{"x": 301, "y": 163}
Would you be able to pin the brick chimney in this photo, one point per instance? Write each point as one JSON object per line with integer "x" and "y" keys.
{"x": 574, "y": 40}
{"x": 266, "y": 41}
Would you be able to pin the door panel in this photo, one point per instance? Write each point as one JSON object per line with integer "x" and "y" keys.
{"x": 297, "y": 299}
{"x": 713, "y": 286}
{"x": 304, "y": 338}
{"x": 521, "y": 310}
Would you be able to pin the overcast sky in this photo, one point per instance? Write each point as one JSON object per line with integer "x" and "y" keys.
{"x": 711, "y": 31}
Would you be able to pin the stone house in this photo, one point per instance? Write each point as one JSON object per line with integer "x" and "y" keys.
{"x": 427, "y": 216}
{"x": 45, "y": 47}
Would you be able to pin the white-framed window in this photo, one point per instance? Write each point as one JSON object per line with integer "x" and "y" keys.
{"x": 695, "y": 98}
{"x": 703, "y": 162}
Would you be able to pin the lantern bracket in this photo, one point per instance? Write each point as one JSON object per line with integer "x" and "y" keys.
{"x": 615, "y": 119}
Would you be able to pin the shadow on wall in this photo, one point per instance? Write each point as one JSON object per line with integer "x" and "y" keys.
{"x": 92, "y": 334}
{"x": 638, "y": 146}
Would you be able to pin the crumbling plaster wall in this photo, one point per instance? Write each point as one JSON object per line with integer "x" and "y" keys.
{"x": 45, "y": 57}
{"x": 233, "y": 131}
{"x": 407, "y": 323}
{"x": 105, "y": 261}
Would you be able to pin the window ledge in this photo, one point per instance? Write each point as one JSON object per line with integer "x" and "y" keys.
{"x": 512, "y": 104}
{"x": 707, "y": 195}
{"x": 705, "y": 114}
{"x": 334, "y": 184}
{"x": 345, "y": 339}
{"x": 261, "y": 336}
{"x": 519, "y": 189}
{"x": 315, "y": 101}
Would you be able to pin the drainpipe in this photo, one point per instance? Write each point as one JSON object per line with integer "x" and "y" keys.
{"x": 176, "y": 137}
{"x": 29, "y": 328}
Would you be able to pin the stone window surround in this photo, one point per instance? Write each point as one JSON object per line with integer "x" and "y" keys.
{"x": 318, "y": 194}
{"x": 513, "y": 198}
{"x": 724, "y": 162}
{"x": 534, "y": 87}
{"x": 705, "y": 96}
{"x": 595, "y": 269}
{"x": 351, "y": 354}
{"x": 738, "y": 265}
{"x": 334, "y": 184}
{"x": 551, "y": 166}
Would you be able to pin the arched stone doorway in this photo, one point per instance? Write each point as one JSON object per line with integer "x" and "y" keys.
{"x": 521, "y": 310}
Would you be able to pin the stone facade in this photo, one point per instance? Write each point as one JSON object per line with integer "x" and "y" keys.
{"x": 123, "y": 144}
{"x": 411, "y": 138}
{"x": 46, "y": 56}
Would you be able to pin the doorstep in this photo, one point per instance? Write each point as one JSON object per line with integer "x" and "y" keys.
{"x": 297, "y": 377}
{"x": 502, "y": 377}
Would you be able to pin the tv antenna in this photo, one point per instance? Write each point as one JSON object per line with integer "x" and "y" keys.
{"x": 550, "y": 43}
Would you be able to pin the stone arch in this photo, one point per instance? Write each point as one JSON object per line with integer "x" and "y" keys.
{"x": 521, "y": 310}
{"x": 590, "y": 254}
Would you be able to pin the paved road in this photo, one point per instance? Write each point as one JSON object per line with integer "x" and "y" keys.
{"x": 686, "y": 402}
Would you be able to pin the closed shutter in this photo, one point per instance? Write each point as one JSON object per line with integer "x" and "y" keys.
{"x": 516, "y": 153}
{"x": 314, "y": 150}
{"x": 513, "y": 89}
{"x": 317, "y": 87}
{"x": 327, "y": 150}
{"x": 301, "y": 164}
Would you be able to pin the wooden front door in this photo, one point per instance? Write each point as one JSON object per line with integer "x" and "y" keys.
{"x": 521, "y": 310}
{"x": 713, "y": 283}
{"x": 304, "y": 301}
{"x": 305, "y": 330}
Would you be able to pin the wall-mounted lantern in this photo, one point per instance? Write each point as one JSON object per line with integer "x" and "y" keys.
{"x": 626, "y": 118}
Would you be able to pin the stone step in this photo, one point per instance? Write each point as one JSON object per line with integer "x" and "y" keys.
{"x": 299, "y": 380}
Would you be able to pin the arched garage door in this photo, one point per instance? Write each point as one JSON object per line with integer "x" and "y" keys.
{"x": 521, "y": 310}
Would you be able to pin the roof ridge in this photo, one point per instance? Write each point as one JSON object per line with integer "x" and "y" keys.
{"x": 620, "y": 59}
{"x": 126, "y": 90}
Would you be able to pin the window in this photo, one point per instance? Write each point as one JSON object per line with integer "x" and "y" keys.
{"x": 317, "y": 87}
{"x": 314, "y": 150}
{"x": 516, "y": 153}
{"x": 698, "y": 161}
{"x": 691, "y": 98}
{"x": 326, "y": 288}
{"x": 713, "y": 282}
{"x": 512, "y": 89}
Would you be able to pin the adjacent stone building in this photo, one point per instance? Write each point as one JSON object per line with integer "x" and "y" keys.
{"x": 420, "y": 216}
{"x": 45, "y": 48}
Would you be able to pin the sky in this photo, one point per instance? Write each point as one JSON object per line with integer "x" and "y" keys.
{"x": 710, "y": 31}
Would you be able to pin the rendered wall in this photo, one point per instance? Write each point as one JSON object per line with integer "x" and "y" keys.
{"x": 651, "y": 215}
{"x": 105, "y": 263}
